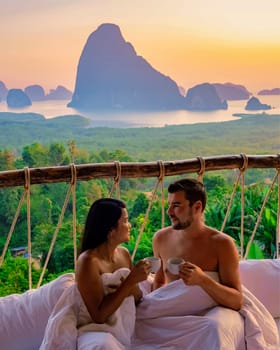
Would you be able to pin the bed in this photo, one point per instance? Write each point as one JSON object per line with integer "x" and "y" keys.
{"x": 172, "y": 317}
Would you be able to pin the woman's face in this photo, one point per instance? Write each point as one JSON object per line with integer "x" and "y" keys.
{"x": 123, "y": 228}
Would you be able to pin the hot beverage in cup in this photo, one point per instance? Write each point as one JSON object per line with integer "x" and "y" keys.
{"x": 155, "y": 263}
{"x": 173, "y": 265}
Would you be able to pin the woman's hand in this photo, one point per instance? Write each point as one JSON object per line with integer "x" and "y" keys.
{"x": 140, "y": 271}
{"x": 137, "y": 293}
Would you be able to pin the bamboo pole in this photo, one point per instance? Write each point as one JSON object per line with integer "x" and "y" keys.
{"x": 91, "y": 171}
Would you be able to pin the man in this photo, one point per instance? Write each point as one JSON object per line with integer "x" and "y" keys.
{"x": 203, "y": 248}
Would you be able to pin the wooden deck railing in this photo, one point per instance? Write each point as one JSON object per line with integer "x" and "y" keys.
{"x": 85, "y": 172}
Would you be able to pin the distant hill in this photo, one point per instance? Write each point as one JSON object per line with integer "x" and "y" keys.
{"x": 35, "y": 92}
{"x": 17, "y": 98}
{"x": 229, "y": 91}
{"x": 275, "y": 91}
{"x": 112, "y": 76}
{"x": 254, "y": 104}
{"x": 3, "y": 91}
{"x": 204, "y": 97}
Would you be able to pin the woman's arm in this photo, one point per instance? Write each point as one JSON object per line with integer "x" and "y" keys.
{"x": 90, "y": 285}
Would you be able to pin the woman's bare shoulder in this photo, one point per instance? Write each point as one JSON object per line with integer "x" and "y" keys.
{"x": 87, "y": 258}
{"x": 123, "y": 251}
{"x": 88, "y": 265}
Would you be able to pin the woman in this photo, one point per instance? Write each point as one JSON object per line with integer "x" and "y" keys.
{"x": 106, "y": 227}
{"x": 98, "y": 311}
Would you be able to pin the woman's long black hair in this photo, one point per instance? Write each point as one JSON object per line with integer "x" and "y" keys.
{"x": 102, "y": 217}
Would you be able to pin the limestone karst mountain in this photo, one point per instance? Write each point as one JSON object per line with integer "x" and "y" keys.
{"x": 59, "y": 93}
{"x": 112, "y": 76}
{"x": 275, "y": 91}
{"x": 254, "y": 104}
{"x": 35, "y": 92}
{"x": 3, "y": 91}
{"x": 204, "y": 97}
{"x": 17, "y": 98}
{"x": 231, "y": 92}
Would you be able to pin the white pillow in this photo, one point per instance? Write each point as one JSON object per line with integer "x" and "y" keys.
{"x": 174, "y": 299}
{"x": 262, "y": 278}
{"x": 23, "y": 317}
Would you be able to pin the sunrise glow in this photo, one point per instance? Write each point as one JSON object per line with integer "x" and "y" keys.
{"x": 190, "y": 41}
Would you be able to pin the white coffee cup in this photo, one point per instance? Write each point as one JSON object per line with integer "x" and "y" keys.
{"x": 155, "y": 263}
{"x": 173, "y": 265}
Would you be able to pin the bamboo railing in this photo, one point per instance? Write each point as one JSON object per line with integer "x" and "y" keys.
{"x": 85, "y": 172}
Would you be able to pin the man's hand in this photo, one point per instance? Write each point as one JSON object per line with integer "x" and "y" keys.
{"x": 190, "y": 273}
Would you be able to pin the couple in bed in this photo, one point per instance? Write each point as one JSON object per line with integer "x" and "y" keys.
{"x": 203, "y": 249}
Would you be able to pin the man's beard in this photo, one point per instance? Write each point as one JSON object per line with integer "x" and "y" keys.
{"x": 181, "y": 225}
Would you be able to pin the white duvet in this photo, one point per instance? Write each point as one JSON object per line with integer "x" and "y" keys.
{"x": 175, "y": 316}
{"x": 70, "y": 325}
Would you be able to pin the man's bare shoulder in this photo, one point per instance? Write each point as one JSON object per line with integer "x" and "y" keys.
{"x": 161, "y": 234}
{"x": 217, "y": 234}
{"x": 220, "y": 237}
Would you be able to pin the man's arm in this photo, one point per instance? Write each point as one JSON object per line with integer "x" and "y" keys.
{"x": 228, "y": 264}
{"x": 226, "y": 293}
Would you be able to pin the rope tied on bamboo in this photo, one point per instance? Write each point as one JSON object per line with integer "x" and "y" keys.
{"x": 160, "y": 179}
{"x": 9, "y": 236}
{"x": 72, "y": 186}
{"x": 74, "y": 211}
{"x": 260, "y": 215}
{"x": 245, "y": 162}
{"x": 117, "y": 179}
{"x": 278, "y": 217}
{"x": 29, "y": 243}
{"x": 201, "y": 172}
{"x": 242, "y": 173}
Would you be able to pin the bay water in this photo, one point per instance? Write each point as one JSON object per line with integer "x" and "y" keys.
{"x": 124, "y": 119}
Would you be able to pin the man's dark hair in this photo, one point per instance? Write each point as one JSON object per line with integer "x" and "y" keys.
{"x": 194, "y": 190}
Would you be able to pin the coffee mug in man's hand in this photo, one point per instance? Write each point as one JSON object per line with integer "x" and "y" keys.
{"x": 155, "y": 263}
{"x": 173, "y": 265}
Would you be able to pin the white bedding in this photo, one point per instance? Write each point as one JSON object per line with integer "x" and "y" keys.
{"x": 174, "y": 317}
{"x": 70, "y": 321}
{"x": 23, "y": 317}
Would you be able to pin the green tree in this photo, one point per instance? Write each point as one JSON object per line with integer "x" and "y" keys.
{"x": 140, "y": 205}
{"x": 7, "y": 160}
{"x": 35, "y": 155}
{"x": 14, "y": 276}
{"x": 57, "y": 154}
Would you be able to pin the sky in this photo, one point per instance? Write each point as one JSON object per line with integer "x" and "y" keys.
{"x": 191, "y": 41}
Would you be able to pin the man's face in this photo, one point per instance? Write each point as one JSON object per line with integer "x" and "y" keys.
{"x": 179, "y": 210}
